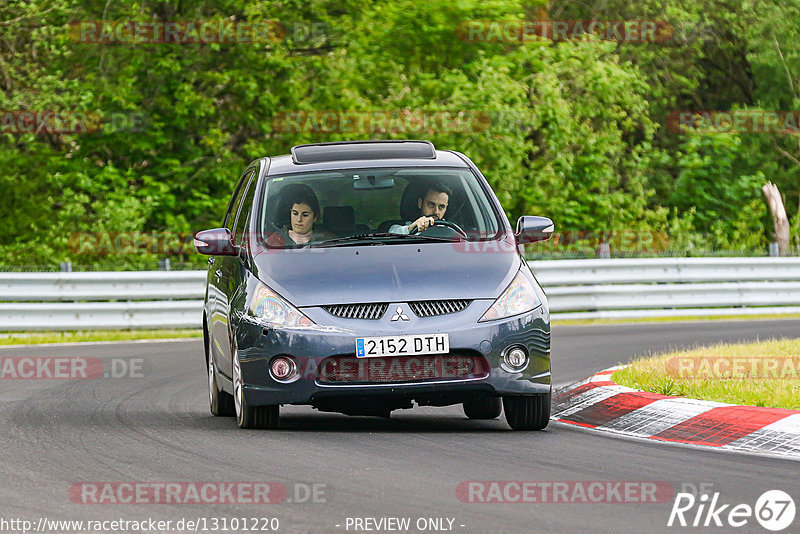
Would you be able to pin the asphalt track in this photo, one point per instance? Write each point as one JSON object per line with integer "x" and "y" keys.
{"x": 156, "y": 428}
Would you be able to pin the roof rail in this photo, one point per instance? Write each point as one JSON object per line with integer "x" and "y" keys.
{"x": 350, "y": 150}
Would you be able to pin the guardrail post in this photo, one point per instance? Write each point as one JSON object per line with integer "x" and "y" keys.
{"x": 66, "y": 266}
{"x": 604, "y": 252}
{"x": 163, "y": 265}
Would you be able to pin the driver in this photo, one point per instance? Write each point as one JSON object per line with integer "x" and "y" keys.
{"x": 432, "y": 207}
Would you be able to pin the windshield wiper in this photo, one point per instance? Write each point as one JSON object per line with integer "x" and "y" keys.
{"x": 351, "y": 238}
{"x": 375, "y": 238}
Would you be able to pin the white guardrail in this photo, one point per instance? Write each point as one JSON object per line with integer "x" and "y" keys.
{"x": 576, "y": 289}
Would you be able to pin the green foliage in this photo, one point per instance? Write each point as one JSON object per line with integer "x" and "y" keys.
{"x": 577, "y": 129}
{"x": 725, "y": 204}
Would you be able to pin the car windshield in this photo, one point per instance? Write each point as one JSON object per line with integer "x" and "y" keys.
{"x": 375, "y": 206}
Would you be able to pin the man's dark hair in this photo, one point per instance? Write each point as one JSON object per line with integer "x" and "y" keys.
{"x": 306, "y": 196}
{"x": 439, "y": 187}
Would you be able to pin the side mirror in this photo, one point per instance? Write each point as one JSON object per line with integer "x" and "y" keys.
{"x": 215, "y": 242}
{"x": 531, "y": 229}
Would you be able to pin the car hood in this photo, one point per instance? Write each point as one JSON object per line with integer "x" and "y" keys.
{"x": 388, "y": 273}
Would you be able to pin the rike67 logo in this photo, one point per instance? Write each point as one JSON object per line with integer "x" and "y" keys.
{"x": 774, "y": 510}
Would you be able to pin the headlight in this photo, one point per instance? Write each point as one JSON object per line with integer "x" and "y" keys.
{"x": 267, "y": 307}
{"x": 519, "y": 297}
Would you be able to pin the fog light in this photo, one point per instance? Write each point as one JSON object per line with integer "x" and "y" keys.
{"x": 515, "y": 358}
{"x": 283, "y": 368}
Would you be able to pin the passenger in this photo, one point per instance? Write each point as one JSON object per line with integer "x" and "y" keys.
{"x": 303, "y": 214}
{"x": 432, "y": 206}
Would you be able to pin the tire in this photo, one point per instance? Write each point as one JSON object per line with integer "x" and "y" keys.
{"x": 527, "y": 413}
{"x": 483, "y": 408}
{"x": 250, "y": 416}
{"x": 220, "y": 402}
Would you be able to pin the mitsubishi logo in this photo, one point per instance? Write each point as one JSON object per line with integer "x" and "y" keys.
{"x": 399, "y": 315}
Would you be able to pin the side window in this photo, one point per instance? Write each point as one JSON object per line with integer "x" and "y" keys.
{"x": 233, "y": 207}
{"x": 244, "y": 213}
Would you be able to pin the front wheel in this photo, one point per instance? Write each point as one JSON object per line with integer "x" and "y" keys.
{"x": 220, "y": 402}
{"x": 483, "y": 408}
{"x": 527, "y": 413}
{"x": 250, "y": 416}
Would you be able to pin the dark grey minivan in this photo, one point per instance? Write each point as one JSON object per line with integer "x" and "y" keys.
{"x": 361, "y": 277}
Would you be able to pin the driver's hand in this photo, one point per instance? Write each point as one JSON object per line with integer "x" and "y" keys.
{"x": 422, "y": 224}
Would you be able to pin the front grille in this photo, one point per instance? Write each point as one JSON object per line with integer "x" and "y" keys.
{"x": 358, "y": 311}
{"x": 399, "y": 369}
{"x": 429, "y": 308}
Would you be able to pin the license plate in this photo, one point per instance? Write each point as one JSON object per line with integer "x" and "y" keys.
{"x": 409, "y": 345}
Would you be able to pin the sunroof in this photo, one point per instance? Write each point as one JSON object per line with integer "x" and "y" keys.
{"x": 352, "y": 150}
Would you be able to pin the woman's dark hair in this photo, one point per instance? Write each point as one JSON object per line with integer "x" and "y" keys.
{"x": 303, "y": 195}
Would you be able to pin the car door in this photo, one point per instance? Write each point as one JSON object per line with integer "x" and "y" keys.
{"x": 221, "y": 282}
{"x": 229, "y": 272}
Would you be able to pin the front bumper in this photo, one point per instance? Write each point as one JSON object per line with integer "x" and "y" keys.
{"x": 258, "y": 345}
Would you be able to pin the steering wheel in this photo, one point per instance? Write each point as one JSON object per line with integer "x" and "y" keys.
{"x": 441, "y": 222}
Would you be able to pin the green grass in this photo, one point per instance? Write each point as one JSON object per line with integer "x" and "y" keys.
{"x": 31, "y": 338}
{"x": 753, "y": 374}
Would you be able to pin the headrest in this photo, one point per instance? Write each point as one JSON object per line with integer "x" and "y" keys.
{"x": 409, "y": 209}
{"x": 339, "y": 219}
